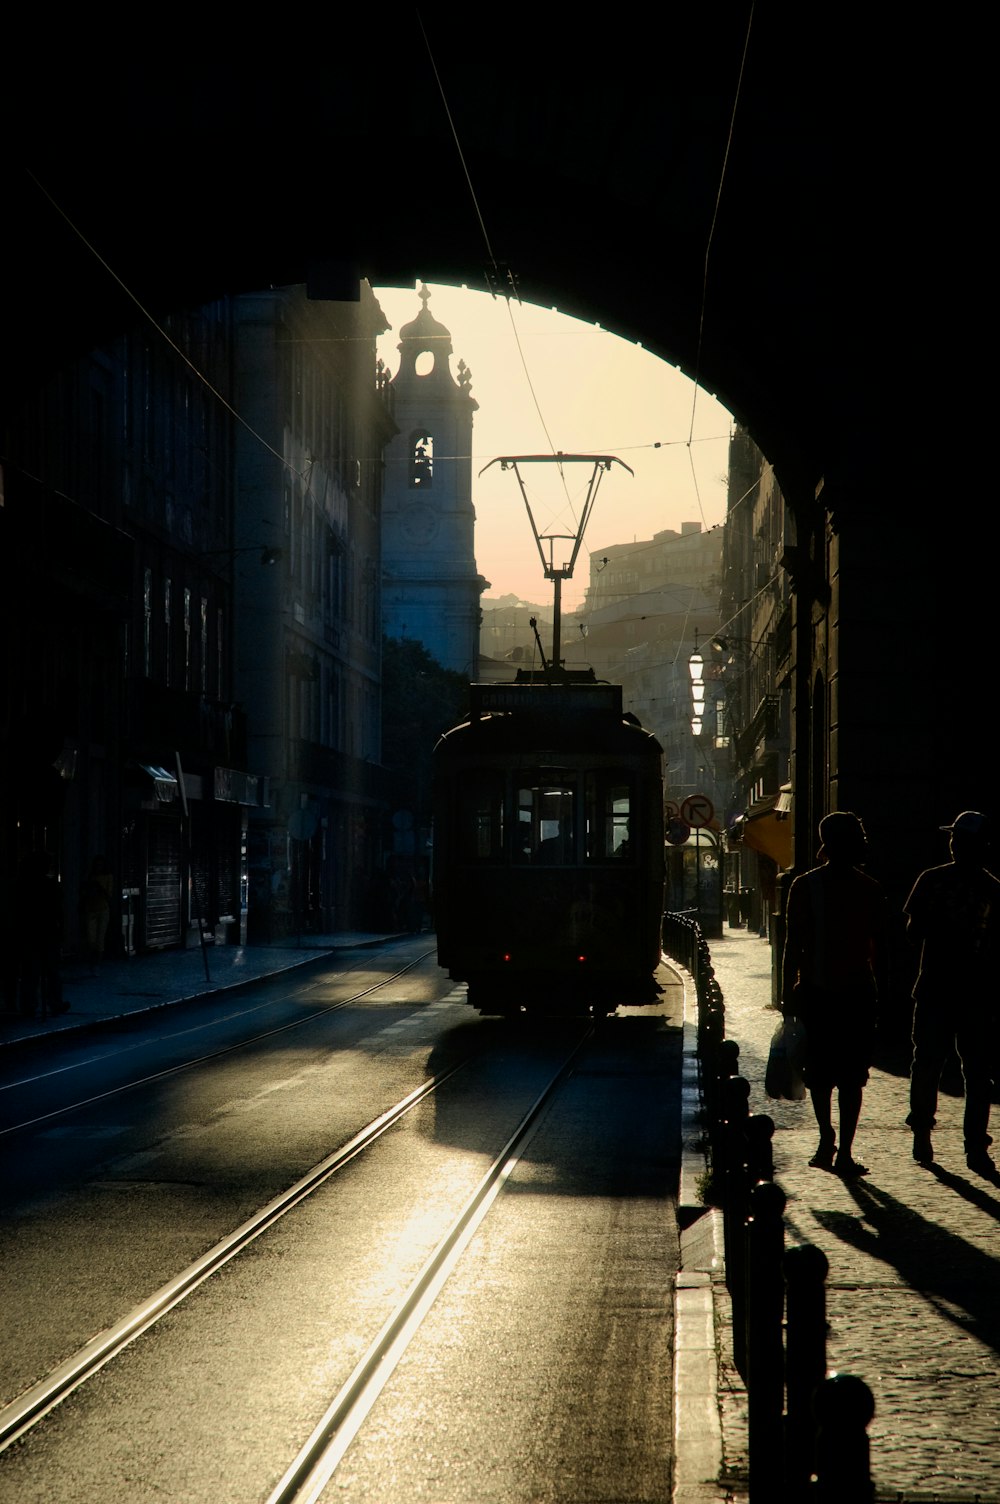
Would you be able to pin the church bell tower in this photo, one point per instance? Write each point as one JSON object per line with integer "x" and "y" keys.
{"x": 431, "y": 587}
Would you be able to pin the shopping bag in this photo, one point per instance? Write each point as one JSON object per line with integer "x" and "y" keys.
{"x": 784, "y": 1079}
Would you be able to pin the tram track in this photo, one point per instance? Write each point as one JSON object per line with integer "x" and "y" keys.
{"x": 306, "y": 1478}
{"x": 308, "y": 1474}
{"x": 31, "y": 1407}
{"x": 267, "y": 1377}
{"x": 150, "y": 1078}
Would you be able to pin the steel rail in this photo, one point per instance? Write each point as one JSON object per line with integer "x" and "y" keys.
{"x": 35, "y": 1403}
{"x": 307, "y": 1477}
{"x": 185, "y": 1065}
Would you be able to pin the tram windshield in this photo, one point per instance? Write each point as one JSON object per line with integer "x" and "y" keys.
{"x": 556, "y": 817}
{"x": 545, "y": 826}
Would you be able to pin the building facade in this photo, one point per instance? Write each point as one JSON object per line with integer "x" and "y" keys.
{"x": 309, "y": 463}
{"x": 753, "y": 655}
{"x": 190, "y": 547}
{"x": 118, "y": 704}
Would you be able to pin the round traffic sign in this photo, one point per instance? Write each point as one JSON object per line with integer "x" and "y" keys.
{"x": 697, "y": 810}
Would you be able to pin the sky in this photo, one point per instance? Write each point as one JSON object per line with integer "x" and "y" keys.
{"x": 580, "y": 389}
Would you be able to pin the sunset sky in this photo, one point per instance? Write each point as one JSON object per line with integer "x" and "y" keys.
{"x": 578, "y": 388}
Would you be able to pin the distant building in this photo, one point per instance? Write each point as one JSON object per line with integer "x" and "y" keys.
{"x": 622, "y": 570}
{"x": 431, "y": 587}
{"x": 647, "y": 604}
{"x": 507, "y": 639}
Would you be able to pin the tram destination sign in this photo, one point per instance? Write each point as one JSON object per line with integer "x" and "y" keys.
{"x": 560, "y": 699}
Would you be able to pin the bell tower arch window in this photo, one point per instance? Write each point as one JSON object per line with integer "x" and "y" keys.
{"x": 421, "y": 460}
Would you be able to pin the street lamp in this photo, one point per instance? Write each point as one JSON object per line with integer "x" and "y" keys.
{"x": 696, "y": 668}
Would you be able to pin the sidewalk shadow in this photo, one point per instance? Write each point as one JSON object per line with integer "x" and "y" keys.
{"x": 934, "y": 1262}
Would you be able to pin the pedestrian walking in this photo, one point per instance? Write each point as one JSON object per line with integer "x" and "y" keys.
{"x": 39, "y": 936}
{"x": 954, "y": 914}
{"x": 95, "y": 909}
{"x": 833, "y": 961}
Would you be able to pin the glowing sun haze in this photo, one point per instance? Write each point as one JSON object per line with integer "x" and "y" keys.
{"x": 580, "y": 389}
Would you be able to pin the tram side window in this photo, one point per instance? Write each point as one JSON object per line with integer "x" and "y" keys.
{"x": 608, "y": 805}
{"x": 481, "y": 820}
{"x": 545, "y": 831}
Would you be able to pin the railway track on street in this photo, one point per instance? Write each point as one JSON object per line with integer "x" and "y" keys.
{"x": 261, "y": 1368}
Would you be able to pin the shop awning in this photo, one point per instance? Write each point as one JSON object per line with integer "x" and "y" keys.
{"x": 164, "y": 783}
{"x": 767, "y": 827}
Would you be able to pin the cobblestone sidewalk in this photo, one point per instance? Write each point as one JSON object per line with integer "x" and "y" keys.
{"x": 913, "y": 1293}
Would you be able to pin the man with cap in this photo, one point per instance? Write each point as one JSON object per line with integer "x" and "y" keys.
{"x": 954, "y": 913}
{"x": 834, "y": 952}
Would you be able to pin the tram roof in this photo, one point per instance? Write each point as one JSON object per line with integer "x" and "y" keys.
{"x": 582, "y": 717}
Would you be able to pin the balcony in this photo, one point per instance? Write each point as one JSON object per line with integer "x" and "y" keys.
{"x": 750, "y": 744}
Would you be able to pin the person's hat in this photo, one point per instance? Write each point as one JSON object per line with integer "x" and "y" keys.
{"x": 969, "y": 823}
{"x": 842, "y": 835}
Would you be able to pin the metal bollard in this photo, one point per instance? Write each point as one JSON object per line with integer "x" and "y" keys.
{"x": 844, "y": 1407}
{"x": 765, "y": 1376}
{"x": 736, "y": 1208}
{"x": 806, "y": 1268}
{"x": 729, "y": 1059}
{"x": 760, "y": 1150}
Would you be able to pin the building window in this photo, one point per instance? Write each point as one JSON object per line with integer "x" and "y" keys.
{"x": 167, "y": 590}
{"x": 147, "y": 622}
{"x": 187, "y": 639}
{"x": 421, "y": 460}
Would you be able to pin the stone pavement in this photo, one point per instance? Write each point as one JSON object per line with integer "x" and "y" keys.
{"x": 913, "y": 1292}
{"x": 124, "y": 986}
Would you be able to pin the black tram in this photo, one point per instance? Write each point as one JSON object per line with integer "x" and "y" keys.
{"x": 548, "y": 849}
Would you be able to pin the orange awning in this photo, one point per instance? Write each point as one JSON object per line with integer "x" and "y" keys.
{"x": 770, "y": 833}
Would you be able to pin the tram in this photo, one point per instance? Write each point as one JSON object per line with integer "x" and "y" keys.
{"x": 548, "y": 848}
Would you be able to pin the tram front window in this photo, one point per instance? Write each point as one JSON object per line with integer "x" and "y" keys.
{"x": 545, "y": 828}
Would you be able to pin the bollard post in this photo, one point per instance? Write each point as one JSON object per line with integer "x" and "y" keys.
{"x": 722, "y": 1067}
{"x": 765, "y": 1376}
{"x": 844, "y": 1407}
{"x": 760, "y": 1150}
{"x": 806, "y": 1268}
{"x": 729, "y": 1059}
{"x": 735, "y": 1208}
{"x": 711, "y": 1031}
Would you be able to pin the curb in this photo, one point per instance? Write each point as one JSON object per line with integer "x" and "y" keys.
{"x": 66, "y": 1024}
{"x": 698, "y": 1443}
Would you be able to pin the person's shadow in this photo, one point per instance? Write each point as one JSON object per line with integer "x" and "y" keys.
{"x": 952, "y": 1273}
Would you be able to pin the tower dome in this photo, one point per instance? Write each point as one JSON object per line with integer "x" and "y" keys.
{"x": 424, "y": 335}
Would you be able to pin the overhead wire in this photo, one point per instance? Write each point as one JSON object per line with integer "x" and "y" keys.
{"x": 495, "y": 268}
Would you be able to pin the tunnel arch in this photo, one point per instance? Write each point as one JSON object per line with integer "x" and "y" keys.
{"x": 842, "y": 255}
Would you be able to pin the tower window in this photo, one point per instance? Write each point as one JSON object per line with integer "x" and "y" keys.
{"x": 421, "y": 460}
